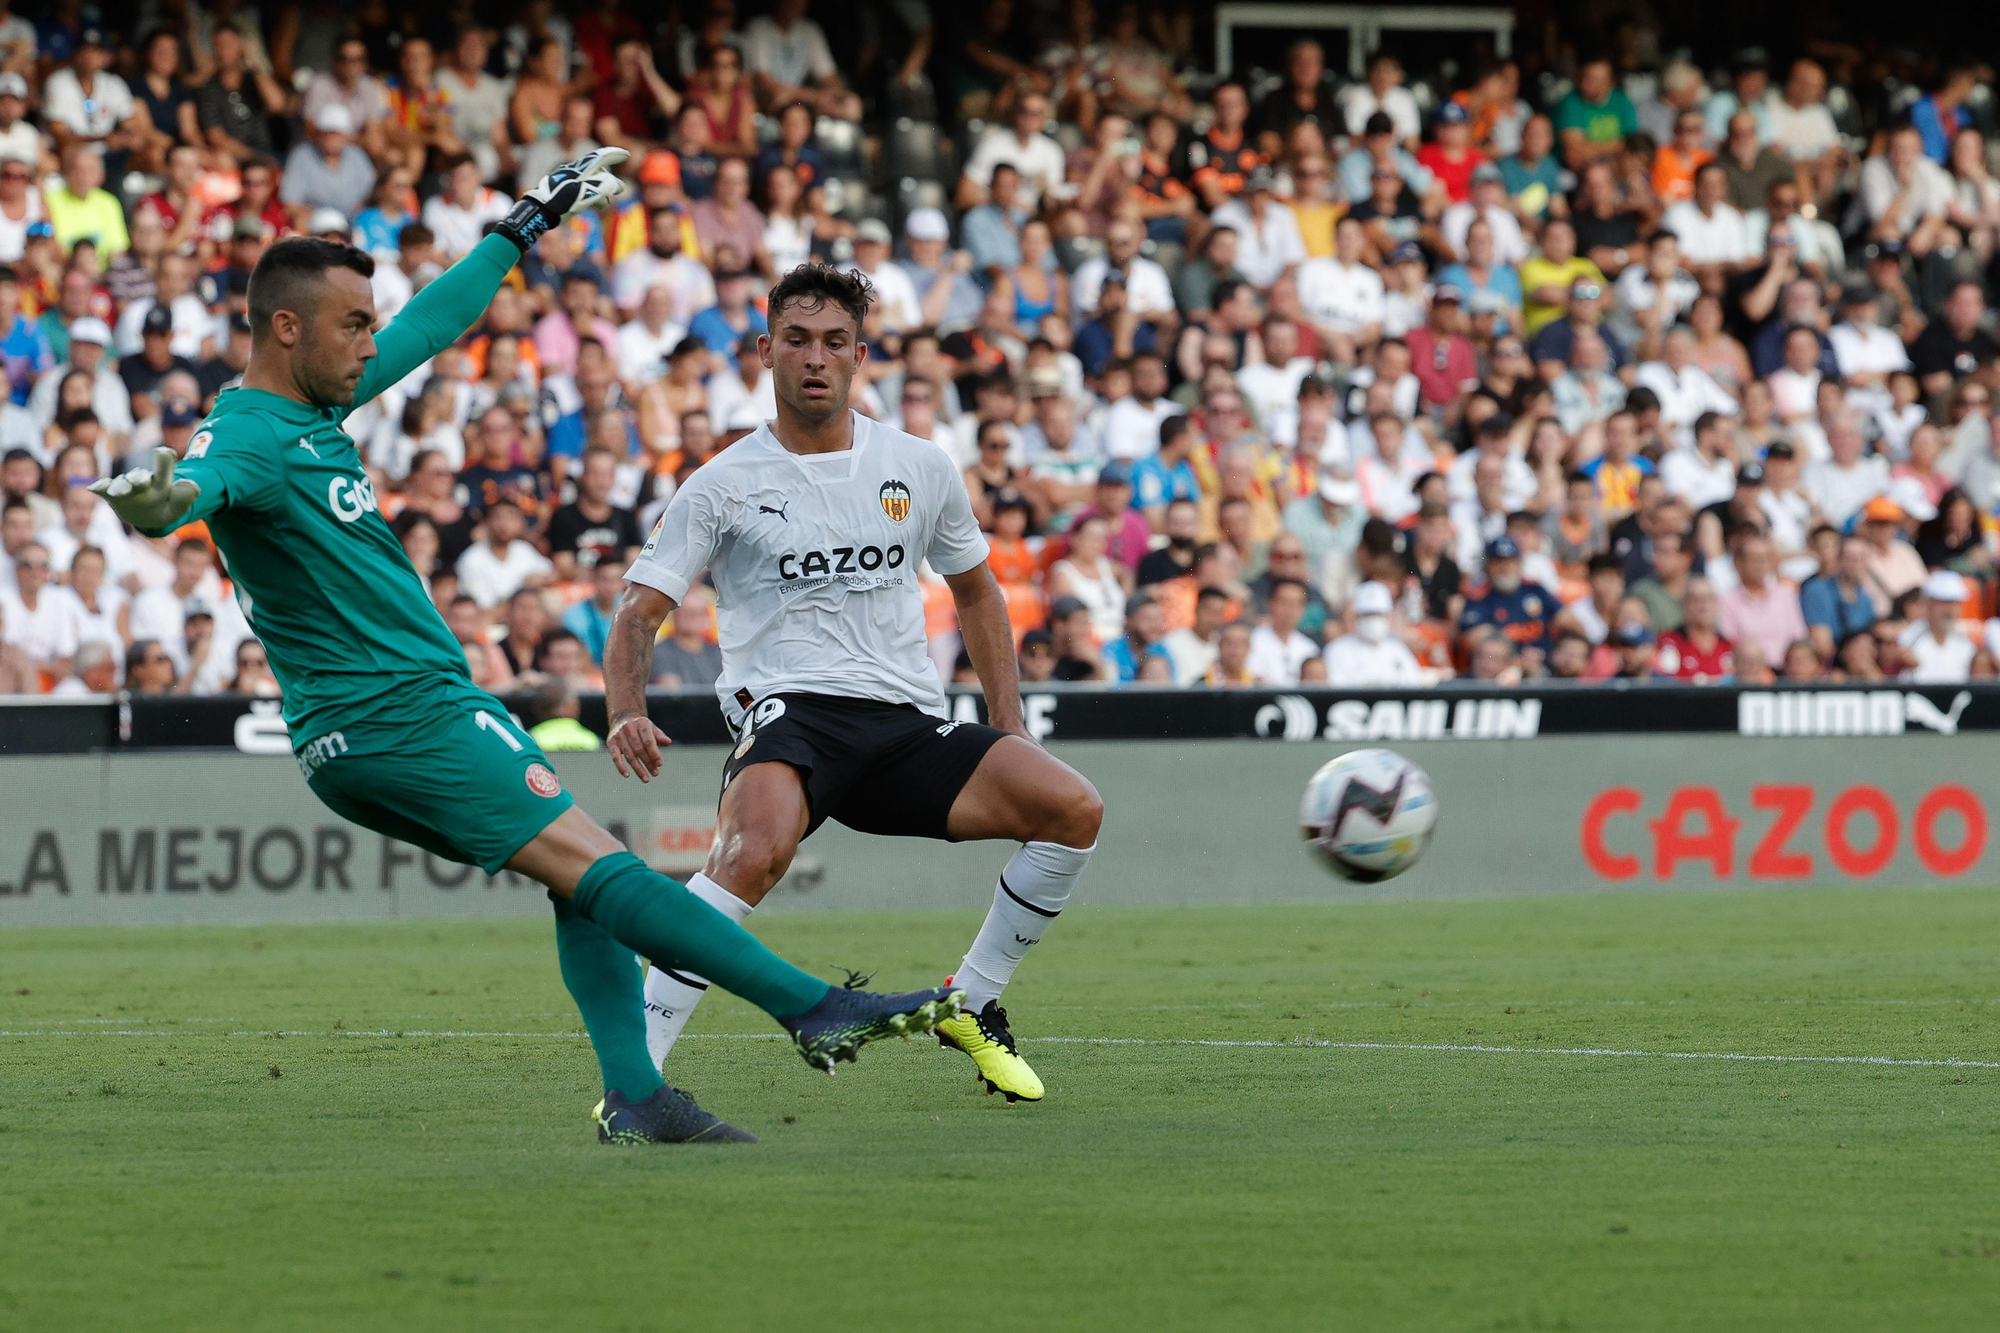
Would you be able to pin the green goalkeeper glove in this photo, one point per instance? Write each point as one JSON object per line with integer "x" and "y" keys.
{"x": 563, "y": 193}
{"x": 150, "y": 499}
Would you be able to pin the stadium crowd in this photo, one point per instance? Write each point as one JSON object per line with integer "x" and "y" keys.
{"x": 1601, "y": 365}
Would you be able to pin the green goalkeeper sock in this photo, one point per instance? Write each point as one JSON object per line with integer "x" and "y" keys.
{"x": 656, "y": 916}
{"x": 605, "y": 981}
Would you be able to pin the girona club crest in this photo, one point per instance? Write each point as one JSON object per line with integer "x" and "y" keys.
{"x": 541, "y": 781}
{"x": 895, "y": 500}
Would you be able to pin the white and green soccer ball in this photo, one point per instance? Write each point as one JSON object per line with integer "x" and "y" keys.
{"x": 1368, "y": 815}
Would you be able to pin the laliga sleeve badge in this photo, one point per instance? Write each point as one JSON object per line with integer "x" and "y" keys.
{"x": 198, "y": 446}
{"x": 542, "y": 781}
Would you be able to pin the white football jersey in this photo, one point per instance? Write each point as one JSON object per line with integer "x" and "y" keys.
{"x": 814, "y": 558}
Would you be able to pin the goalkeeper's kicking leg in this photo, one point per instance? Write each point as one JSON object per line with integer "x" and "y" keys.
{"x": 610, "y": 905}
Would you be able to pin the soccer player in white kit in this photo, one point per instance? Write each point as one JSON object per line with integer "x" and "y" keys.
{"x": 812, "y": 529}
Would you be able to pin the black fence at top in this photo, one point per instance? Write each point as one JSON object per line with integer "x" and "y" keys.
{"x": 1064, "y": 713}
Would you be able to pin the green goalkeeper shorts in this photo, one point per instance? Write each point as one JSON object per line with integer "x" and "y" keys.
{"x": 448, "y": 772}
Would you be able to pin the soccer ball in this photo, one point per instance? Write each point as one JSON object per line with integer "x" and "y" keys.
{"x": 1368, "y": 815}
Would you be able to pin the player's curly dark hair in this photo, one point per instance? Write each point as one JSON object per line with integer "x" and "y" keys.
{"x": 819, "y": 284}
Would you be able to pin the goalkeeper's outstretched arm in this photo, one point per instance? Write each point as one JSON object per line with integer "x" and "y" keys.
{"x": 438, "y": 315}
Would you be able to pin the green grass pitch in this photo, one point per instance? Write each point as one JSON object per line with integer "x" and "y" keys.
{"x": 207, "y": 1129}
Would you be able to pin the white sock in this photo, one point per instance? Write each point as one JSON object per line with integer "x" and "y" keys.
{"x": 1032, "y": 890}
{"x": 670, "y": 995}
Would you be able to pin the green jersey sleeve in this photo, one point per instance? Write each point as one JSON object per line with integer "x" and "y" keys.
{"x": 235, "y": 462}
{"x": 437, "y": 316}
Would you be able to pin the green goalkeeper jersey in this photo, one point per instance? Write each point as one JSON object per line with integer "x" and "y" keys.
{"x": 343, "y": 617}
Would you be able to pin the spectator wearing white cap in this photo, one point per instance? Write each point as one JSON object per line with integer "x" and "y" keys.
{"x": 895, "y": 294}
{"x": 89, "y": 341}
{"x": 19, "y": 141}
{"x": 1328, "y": 523}
{"x": 330, "y": 170}
{"x": 1939, "y": 648}
{"x": 1372, "y": 655}
{"x": 940, "y": 276}
{"x": 85, "y": 102}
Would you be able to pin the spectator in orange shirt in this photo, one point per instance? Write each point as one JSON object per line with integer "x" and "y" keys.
{"x": 1677, "y": 160}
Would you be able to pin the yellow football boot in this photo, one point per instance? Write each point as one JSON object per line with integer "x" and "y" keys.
{"x": 984, "y": 1036}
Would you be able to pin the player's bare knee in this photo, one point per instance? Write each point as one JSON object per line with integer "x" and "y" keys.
{"x": 1074, "y": 813}
{"x": 749, "y": 864}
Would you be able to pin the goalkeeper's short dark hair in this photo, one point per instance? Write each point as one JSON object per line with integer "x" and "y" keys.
{"x": 289, "y": 277}
{"x": 821, "y": 284}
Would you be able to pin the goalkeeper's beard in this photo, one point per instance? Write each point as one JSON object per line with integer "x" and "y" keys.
{"x": 323, "y": 385}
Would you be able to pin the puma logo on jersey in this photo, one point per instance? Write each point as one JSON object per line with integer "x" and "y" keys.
{"x": 307, "y": 445}
{"x": 350, "y": 497}
{"x": 793, "y": 566}
{"x": 779, "y": 511}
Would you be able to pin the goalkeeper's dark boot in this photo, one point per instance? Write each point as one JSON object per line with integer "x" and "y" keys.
{"x": 849, "y": 1018}
{"x": 668, "y": 1116}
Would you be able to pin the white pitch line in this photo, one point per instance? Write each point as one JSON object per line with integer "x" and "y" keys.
{"x": 1299, "y": 1043}
{"x": 1952, "y": 1063}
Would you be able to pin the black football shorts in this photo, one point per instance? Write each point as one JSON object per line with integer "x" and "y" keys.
{"x": 876, "y": 767}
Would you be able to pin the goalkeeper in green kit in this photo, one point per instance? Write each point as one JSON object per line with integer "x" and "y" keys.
{"x": 386, "y": 724}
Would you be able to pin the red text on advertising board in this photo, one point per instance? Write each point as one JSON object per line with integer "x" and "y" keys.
{"x": 1858, "y": 832}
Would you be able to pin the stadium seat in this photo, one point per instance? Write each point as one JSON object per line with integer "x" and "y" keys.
{"x": 915, "y": 149}
{"x": 852, "y": 198}
{"x": 912, "y": 194}
{"x": 840, "y": 141}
